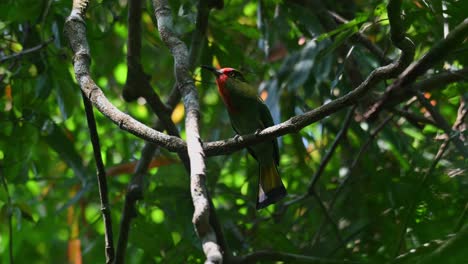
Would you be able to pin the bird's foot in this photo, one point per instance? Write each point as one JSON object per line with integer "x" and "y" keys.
{"x": 238, "y": 138}
{"x": 257, "y": 132}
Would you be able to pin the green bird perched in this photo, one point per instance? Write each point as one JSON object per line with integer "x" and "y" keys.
{"x": 248, "y": 114}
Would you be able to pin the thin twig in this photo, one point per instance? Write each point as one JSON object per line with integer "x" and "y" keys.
{"x": 27, "y": 51}
{"x": 323, "y": 164}
{"x": 325, "y": 160}
{"x": 102, "y": 181}
{"x": 311, "y": 187}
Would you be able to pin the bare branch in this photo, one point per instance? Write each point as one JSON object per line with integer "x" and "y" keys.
{"x": 200, "y": 197}
{"x": 102, "y": 181}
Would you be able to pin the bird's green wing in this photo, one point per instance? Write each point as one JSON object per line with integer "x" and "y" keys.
{"x": 267, "y": 120}
{"x": 250, "y": 150}
{"x": 242, "y": 89}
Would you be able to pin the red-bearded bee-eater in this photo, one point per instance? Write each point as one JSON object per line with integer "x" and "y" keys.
{"x": 248, "y": 114}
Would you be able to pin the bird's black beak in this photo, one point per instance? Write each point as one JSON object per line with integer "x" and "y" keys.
{"x": 212, "y": 69}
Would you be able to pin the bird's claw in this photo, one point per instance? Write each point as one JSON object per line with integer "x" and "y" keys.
{"x": 238, "y": 138}
{"x": 257, "y": 132}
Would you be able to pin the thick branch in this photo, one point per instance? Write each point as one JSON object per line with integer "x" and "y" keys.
{"x": 200, "y": 197}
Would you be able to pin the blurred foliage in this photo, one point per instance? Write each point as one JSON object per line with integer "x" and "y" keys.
{"x": 299, "y": 57}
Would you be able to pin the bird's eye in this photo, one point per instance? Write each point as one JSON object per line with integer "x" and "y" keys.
{"x": 232, "y": 74}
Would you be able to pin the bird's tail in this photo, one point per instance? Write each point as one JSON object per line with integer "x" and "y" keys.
{"x": 270, "y": 186}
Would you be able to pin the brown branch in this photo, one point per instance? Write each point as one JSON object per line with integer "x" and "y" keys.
{"x": 200, "y": 197}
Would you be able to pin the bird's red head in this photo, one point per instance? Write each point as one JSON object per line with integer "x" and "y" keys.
{"x": 222, "y": 76}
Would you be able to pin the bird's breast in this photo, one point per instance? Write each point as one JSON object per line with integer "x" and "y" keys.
{"x": 226, "y": 96}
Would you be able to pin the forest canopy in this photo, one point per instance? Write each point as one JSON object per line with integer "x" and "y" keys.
{"x": 117, "y": 147}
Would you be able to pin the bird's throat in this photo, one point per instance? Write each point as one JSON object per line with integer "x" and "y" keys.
{"x": 225, "y": 95}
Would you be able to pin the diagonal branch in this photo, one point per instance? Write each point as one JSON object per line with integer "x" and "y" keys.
{"x": 394, "y": 97}
{"x": 418, "y": 68}
{"x": 75, "y": 30}
{"x": 186, "y": 86}
{"x": 101, "y": 179}
{"x": 323, "y": 164}
{"x": 27, "y": 51}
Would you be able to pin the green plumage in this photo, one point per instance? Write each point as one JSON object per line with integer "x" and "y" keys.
{"x": 248, "y": 113}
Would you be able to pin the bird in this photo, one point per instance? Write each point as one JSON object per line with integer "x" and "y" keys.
{"x": 249, "y": 114}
